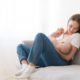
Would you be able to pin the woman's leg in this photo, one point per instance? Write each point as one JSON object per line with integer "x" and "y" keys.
{"x": 23, "y": 52}
{"x": 43, "y": 48}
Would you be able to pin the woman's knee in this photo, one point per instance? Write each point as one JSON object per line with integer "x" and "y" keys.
{"x": 40, "y": 35}
{"x": 19, "y": 46}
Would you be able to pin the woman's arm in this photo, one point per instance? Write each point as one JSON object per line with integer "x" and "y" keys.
{"x": 57, "y": 33}
{"x": 70, "y": 55}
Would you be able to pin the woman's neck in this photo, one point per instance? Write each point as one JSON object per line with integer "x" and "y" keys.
{"x": 68, "y": 33}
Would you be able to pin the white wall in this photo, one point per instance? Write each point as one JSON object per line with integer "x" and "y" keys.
{"x": 23, "y": 19}
{"x": 19, "y": 20}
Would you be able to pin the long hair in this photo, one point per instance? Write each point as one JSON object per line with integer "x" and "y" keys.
{"x": 76, "y": 17}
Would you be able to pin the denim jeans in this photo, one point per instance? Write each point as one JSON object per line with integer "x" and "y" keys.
{"x": 42, "y": 53}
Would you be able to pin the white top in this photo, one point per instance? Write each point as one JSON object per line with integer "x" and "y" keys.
{"x": 74, "y": 39}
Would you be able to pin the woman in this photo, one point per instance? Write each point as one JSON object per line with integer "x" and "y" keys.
{"x": 49, "y": 51}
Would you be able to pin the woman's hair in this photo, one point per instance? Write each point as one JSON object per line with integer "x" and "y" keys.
{"x": 76, "y": 17}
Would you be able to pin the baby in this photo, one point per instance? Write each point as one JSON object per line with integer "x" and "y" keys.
{"x": 62, "y": 47}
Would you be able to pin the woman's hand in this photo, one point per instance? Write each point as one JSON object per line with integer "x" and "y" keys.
{"x": 69, "y": 56}
{"x": 58, "y": 32}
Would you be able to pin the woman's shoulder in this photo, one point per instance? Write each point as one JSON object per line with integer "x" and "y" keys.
{"x": 76, "y": 35}
{"x": 75, "y": 40}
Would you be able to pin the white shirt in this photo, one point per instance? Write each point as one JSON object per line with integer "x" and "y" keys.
{"x": 74, "y": 39}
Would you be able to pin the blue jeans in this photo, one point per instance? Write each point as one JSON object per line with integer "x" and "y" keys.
{"x": 42, "y": 53}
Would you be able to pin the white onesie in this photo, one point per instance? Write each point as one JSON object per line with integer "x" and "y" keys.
{"x": 74, "y": 39}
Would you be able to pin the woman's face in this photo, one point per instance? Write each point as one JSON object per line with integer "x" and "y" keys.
{"x": 73, "y": 26}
